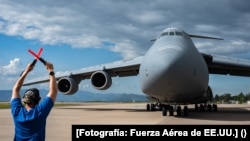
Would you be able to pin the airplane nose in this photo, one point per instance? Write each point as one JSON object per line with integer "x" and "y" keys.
{"x": 158, "y": 69}
{"x": 173, "y": 71}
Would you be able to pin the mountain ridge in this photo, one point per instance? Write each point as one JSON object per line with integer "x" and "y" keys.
{"x": 83, "y": 96}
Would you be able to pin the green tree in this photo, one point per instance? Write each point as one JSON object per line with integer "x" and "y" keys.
{"x": 241, "y": 98}
{"x": 216, "y": 98}
{"x": 248, "y": 96}
{"x": 225, "y": 97}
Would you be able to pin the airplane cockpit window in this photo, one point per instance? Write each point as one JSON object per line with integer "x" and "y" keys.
{"x": 171, "y": 33}
{"x": 164, "y": 34}
{"x": 178, "y": 33}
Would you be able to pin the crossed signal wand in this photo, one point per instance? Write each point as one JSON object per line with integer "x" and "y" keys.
{"x": 37, "y": 56}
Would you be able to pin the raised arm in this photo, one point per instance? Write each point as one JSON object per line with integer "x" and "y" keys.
{"x": 17, "y": 87}
{"x": 52, "y": 84}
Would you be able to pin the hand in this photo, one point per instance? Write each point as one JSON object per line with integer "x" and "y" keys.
{"x": 29, "y": 67}
{"x": 49, "y": 66}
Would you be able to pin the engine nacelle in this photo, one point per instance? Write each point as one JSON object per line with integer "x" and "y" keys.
{"x": 101, "y": 80}
{"x": 67, "y": 85}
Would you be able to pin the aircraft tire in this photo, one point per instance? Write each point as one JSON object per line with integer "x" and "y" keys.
{"x": 196, "y": 108}
{"x": 148, "y": 107}
{"x": 152, "y": 107}
{"x": 185, "y": 112}
{"x": 171, "y": 110}
{"x": 178, "y": 110}
{"x": 209, "y": 108}
{"x": 215, "y": 109}
{"x": 164, "y": 111}
{"x": 202, "y": 108}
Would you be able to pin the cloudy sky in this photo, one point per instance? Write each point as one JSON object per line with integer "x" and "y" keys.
{"x": 76, "y": 34}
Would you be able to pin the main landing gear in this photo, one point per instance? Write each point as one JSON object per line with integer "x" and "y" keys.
{"x": 206, "y": 107}
{"x": 169, "y": 109}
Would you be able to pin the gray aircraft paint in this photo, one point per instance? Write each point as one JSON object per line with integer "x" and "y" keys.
{"x": 173, "y": 71}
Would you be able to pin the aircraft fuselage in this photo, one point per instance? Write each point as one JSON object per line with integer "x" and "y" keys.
{"x": 173, "y": 71}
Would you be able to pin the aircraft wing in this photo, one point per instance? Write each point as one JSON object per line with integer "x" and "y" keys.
{"x": 118, "y": 68}
{"x": 227, "y": 65}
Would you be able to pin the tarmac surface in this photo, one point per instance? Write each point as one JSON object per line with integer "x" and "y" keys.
{"x": 61, "y": 118}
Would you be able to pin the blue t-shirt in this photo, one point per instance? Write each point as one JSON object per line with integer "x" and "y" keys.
{"x": 30, "y": 125}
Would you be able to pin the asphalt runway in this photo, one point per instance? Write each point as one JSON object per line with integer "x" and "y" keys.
{"x": 61, "y": 119}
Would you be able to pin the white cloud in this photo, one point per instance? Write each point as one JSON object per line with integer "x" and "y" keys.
{"x": 130, "y": 50}
{"x": 206, "y": 28}
{"x": 12, "y": 68}
{"x": 147, "y": 17}
{"x": 230, "y": 47}
{"x": 127, "y": 25}
{"x": 87, "y": 24}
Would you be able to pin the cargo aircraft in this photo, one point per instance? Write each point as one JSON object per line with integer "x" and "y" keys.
{"x": 171, "y": 73}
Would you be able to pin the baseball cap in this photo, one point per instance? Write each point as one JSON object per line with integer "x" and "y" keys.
{"x": 31, "y": 96}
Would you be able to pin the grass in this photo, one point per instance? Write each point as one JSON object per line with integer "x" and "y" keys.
{"x": 6, "y": 105}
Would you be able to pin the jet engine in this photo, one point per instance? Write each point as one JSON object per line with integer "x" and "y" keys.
{"x": 67, "y": 85}
{"x": 101, "y": 80}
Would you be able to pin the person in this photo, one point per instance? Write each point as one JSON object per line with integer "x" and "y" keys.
{"x": 30, "y": 113}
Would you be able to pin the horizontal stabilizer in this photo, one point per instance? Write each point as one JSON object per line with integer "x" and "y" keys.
{"x": 205, "y": 37}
